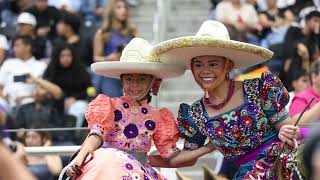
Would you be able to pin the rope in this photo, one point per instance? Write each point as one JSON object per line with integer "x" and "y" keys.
{"x": 63, "y": 172}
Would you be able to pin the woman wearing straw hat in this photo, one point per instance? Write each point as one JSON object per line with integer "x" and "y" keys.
{"x": 244, "y": 120}
{"x": 126, "y": 126}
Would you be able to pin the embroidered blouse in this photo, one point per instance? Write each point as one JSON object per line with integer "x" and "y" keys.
{"x": 124, "y": 124}
{"x": 243, "y": 128}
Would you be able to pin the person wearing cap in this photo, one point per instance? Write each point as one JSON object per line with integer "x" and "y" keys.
{"x": 27, "y": 27}
{"x": 126, "y": 126}
{"x": 4, "y": 46}
{"x": 246, "y": 121}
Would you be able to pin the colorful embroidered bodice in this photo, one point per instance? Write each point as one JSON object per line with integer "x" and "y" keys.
{"x": 127, "y": 126}
{"x": 242, "y": 129}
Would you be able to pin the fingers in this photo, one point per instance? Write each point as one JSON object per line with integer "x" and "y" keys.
{"x": 71, "y": 173}
{"x": 286, "y": 140}
{"x": 290, "y": 127}
{"x": 290, "y": 135}
{"x": 74, "y": 170}
{"x": 77, "y": 169}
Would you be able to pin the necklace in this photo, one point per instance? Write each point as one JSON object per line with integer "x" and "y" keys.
{"x": 231, "y": 86}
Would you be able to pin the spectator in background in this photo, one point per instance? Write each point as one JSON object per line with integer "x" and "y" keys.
{"x": 13, "y": 73}
{"x": 68, "y": 31}
{"x": 300, "y": 61}
{"x": 66, "y": 71}
{"x": 109, "y": 40}
{"x": 274, "y": 18}
{"x": 27, "y": 27}
{"x": 4, "y": 46}
{"x": 42, "y": 167}
{"x": 10, "y": 9}
{"x": 41, "y": 110}
{"x": 3, "y": 104}
{"x": 299, "y": 82}
{"x": 66, "y": 5}
{"x": 47, "y": 18}
{"x": 302, "y": 98}
{"x": 308, "y": 33}
{"x": 92, "y": 11}
{"x": 241, "y": 19}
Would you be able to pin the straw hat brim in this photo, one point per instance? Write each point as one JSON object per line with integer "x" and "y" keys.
{"x": 114, "y": 69}
{"x": 182, "y": 50}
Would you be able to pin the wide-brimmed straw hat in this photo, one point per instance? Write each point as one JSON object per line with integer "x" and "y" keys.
{"x": 136, "y": 58}
{"x": 211, "y": 39}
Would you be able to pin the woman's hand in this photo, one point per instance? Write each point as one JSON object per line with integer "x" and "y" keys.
{"x": 75, "y": 169}
{"x": 68, "y": 102}
{"x": 210, "y": 146}
{"x": 289, "y": 134}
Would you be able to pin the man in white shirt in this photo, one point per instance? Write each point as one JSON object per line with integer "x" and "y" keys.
{"x": 4, "y": 46}
{"x": 14, "y": 72}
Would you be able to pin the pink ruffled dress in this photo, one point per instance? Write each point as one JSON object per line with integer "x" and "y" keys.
{"x": 128, "y": 131}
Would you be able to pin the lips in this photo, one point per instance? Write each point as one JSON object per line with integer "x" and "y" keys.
{"x": 207, "y": 79}
{"x": 135, "y": 92}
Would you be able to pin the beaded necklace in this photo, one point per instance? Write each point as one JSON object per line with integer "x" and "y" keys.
{"x": 231, "y": 86}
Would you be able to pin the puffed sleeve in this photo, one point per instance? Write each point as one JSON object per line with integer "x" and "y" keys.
{"x": 100, "y": 116}
{"x": 166, "y": 134}
{"x": 274, "y": 98}
{"x": 188, "y": 129}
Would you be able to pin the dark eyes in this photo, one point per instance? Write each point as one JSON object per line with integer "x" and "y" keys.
{"x": 140, "y": 78}
{"x": 210, "y": 64}
{"x": 213, "y": 64}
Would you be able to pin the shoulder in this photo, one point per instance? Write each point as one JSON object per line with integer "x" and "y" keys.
{"x": 39, "y": 63}
{"x": 304, "y": 94}
{"x": 102, "y": 98}
{"x": 293, "y": 30}
{"x": 10, "y": 62}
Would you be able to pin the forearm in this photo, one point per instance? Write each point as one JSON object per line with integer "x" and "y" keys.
{"x": 311, "y": 115}
{"x": 91, "y": 143}
{"x": 99, "y": 58}
{"x": 308, "y": 116}
{"x": 54, "y": 164}
{"x": 186, "y": 157}
{"x": 158, "y": 161}
{"x": 53, "y": 89}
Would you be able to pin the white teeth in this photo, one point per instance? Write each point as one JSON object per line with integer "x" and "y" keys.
{"x": 208, "y": 79}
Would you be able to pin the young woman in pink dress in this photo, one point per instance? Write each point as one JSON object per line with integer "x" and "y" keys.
{"x": 125, "y": 127}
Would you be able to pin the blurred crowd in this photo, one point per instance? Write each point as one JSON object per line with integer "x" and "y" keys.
{"x": 290, "y": 28}
{"x": 47, "y": 46}
{"x": 46, "y": 49}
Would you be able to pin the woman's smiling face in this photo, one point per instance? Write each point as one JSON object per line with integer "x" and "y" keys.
{"x": 209, "y": 71}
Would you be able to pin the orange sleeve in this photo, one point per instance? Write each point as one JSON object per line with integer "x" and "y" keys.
{"x": 167, "y": 134}
{"x": 100, "y": 116}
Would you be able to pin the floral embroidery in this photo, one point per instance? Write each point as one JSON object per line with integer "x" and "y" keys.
{"x": 190, "y": 146}
{"x": 279, "y": 116}
{"x": 97, "y": 129}
{"x": 244, "y": 128}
